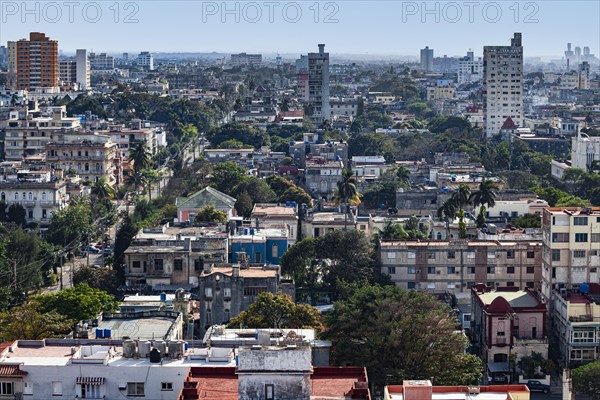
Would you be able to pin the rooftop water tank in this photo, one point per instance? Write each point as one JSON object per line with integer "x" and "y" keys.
{"x": 161, "y": 346}
{"x": 128, "y": 348}
{"x": 163, "y": 296}
{"x": 144, "y": 348}
{"x": 155, "y": 356}
{"x": 584, "y": 288}
{"x": 107, "y": 334}
{"x": 99, "y": 333}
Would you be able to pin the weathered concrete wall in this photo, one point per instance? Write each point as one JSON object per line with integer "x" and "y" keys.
{"x": 275, "y": 359}
{"x": 285, "y": 386}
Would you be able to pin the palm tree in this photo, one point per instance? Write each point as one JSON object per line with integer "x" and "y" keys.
{"x": 485, "y": 196}
{"x": 140, "y": 156}
{"x": 347, "y": 192}
{"x": 102, "y": 190}
{"x": 461, "y": 199}
{"x": 448, "y": 212}
{"x": 137, "y": 179}
{"x": 403, "y": 175}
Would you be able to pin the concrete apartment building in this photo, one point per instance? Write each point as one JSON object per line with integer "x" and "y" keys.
{"x": 503, "y": 85}
{"x": 322, "y": 175}
{"x": 101, "y": 62}
{"x": 145, "y": 60}
{"x": 88, "y": 155}
{"x": 11, "y": 54}
{"x": 83, "y": 69}
{"x": 470, "y": 70}
{"x": 313, "y": 145}
{"x": 246, "y": 60}
{"x": 318, "y": 85}
{"x": 172, "y": 256}
{"x": 455, "y": 266}
{"x": 37, "y": 191}
{"x": 225, "y": 290}
{"x": 506, "y": 321}
{"x": 446, "y": 92}
{"x": 576, "y": 322}
{"x": 283, "y": 216}
{"x": 29, "y": 131}
{"x": 37, "y": 62}
{"x": 427, "y": 59}
{"x": 571, "y": 248}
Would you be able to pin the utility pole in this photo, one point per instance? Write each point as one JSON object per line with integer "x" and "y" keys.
{"x": 15, "y": 271}
{"x": 61, "y": 270}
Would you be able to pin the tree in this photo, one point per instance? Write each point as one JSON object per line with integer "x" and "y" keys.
{"x": 226, "y": 176}
{"x": 347, "y": 192}
{"x": 31, "y": 322}
{"x": 447, "y": 212}
{"x": 243, "y": 204}
{"x": 278, "y": 311}
{"x": 403, "y": 175}
{"x": 139, "y": 155}
{"x": 376, "y": 324}
{"x": 528, "y": 221}
{"x": 137, "y": 179}
{"x": 485, "y": 196}
{"x": 97, "y": 278}
{"x": 586, "y": 379}
{"x": 71, "y": 226}
{"x": 78, "y": 302}
{"x": 211, "y": 214}
{"x": 16, "y": 214}
{"x": 392, "y": 231}
{"x": 102, "y": 190}
{"x": 461, "y": 198}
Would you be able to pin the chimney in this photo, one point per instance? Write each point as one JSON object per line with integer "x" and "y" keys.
{"x": 417, "y": 390}
{"x": 321, "y": 48}
{"x": 235, "y": 270}
{"x": 187, "y": 244}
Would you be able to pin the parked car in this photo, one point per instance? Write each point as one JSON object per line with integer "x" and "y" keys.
{"x": 537, "y": 386}
{"x": 91, "y": 249}
{"x": 106, "y": 252}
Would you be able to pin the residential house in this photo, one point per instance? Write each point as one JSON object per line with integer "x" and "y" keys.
{"x": 424, "y": 390}
{"x": 188, "y": 207}
{"x": 261, "y": 246}
{"x": 282, "y": 216}
{"x": 321, "y": 176}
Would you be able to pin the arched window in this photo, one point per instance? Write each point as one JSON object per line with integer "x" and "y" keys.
{"x": 439, "y": 236}
{"x": 24, "y": 196}
{"x": 3, "y": 196}
{"x": 30, "y": 196}
{"x": 44, "y": 196}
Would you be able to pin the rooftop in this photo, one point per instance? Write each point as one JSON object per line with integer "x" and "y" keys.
{"x": 249, "y": 272}
{"x": 574, "y": 211}
{"x": 268, "y": 210}
{"x": 505, "y": 299}
{"x": 423, "y": 390}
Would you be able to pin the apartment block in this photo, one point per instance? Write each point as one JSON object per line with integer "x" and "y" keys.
{"x": 244, "y": 59}
{"x": 470, "y": 70}
{"x": 571, "y": 248}
{"x": 322, "y": 176}
{"x": 28, "y": 131}
{"x": 37, "y": 62}
{"x": 427, "y": 59}
{"x": 455, "y": 266}
{"x": 101, "y": 62}
{"x": 146, "y": 60}
{"x": 576, "y": 322}
{"x": 503, "y": 85}
{"x": 83, "y": 69}
{"x": 424, "y": 390}
{"x": 318, "y": 85}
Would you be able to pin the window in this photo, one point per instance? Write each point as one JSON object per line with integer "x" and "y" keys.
{"x": 470, "y": 254}
{"x": 510, "y": 270}
{"x": 560, "y": 237}
{"x": 208, "y": 292}
{"x": 198, "y": 264}
{"x": 56, "y": 388}
{"x": 275, "y": 250}
{"x": 491, "y": 255}
{"x": 578, "y": 253}
{"x": 269, "y": 392}
{"x": 510, "y": 284}
{"x": 44, "y": 213}
{"x": 227, "y": 292}
{"x": 491, "y": 269}
{"x": 582, "y": 336}
{"x": 391, "y": 270}
{"x": 90, "y": 391}
{"x": 530, "y": 270}
{"x": 581, "y": 237}
{"x": 595, "y": 237}
{"x": 16, "y": 196}
{"x": 30, "y": 196}
{"x": 466, "y": 317}
{"x": 431, "y": 255}
{"x": 411, "y": 285}
{"x": 530, "y": 285}
{"x": 178, "y": 265}
{"x": 27, "y": 387}
{"x": 431, "y": 285}
{"x": 531, "y": 254}
{"x": 555, "y": 255}
{"x": 254, "y": 290}
{"x": 580, "y": 221}
{"x": 208, "y": 316}
{"x": 135, "y": 388}
{"x": 135, "y": 264}
{"x": 166, "y": 386}
{"x": 431, "y": 270}
{"x": 470, "y": 270}
{"x": 391, "y": 254}
{"x": 451, "y": 255}
{"x": 451, "y": 270}
{"x": 411, "y": 254}
{"x": 7, "y": 388}
{"x": 158, "y": 264}
{"x": 510, "y": 254}
{"x": 411, "y": 269}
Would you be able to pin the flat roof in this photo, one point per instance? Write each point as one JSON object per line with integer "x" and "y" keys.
{"x": 142, "y": 328}
{"x": 250, "y": 272}
{"x": 518, "y": 299}
{"x": 494, "y": 392}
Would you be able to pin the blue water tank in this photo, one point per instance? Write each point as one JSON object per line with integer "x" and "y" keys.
{"x": 163, "y": 297}
{"x": 245, "y": 231}
{"x": 107, "y": 333}
{"x": 337, "y": 158}
{"x": 252, "y": 231}
{"x": 186, "y": 345}
{"x": 294, "y": 204}
{"x": 99, "y": 333}
{"x": 236, "y": 360}
{"x": 287, "y": 204}
{"x": 292, "y": 142}
{"x": 584, "y": 288}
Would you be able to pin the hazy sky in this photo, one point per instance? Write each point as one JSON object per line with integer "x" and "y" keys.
{"x": 396, "y": 28}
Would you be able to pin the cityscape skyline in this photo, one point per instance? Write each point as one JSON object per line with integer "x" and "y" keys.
{"x": 335, "y": 25}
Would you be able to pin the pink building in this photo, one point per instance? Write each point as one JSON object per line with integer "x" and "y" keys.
{"x": 506, "y": 321}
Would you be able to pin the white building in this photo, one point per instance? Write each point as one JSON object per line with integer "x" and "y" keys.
{"x": 470, "y": 69}
{"x": 146, "y": 60}
{"x": 427, "y": 59}
{"x": 101, "y": 62}
{"x": 244, "y": 59}
{"x": 503, "y": 85}
{"x": 83, "y": 69}
{"x": 584, "y": 151}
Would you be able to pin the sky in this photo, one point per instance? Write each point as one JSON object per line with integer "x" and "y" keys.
{"x": 362, "y": 27}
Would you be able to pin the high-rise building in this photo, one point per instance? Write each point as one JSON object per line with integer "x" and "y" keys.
{"x": 67, "y": 74}
{"x": 427, "y": 59}
{"x": 101, "y": 62}
{"x": 37, "y": 62}
{"x": 469, "y": 69}
{"x": 146, "y": 60}
{"x": 571, "y": 248}
{"x": 11, "y": 54}
{"x": 3, "y": 56}
{"x": 502, "y": 85}
{"x": 243, "y": 59}
{"x": 83, "y": 69}
{"x": 318, "y": 85}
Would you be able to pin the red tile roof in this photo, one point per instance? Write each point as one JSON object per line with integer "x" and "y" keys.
{"x": 509, "y": 124}
{"x": 11, "y": 370}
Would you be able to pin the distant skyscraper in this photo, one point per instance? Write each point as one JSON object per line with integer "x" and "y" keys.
{"x": 577, "y": 53}
{"x": 101, "y": 62}
{"x": 146, "y": 60}
{"x": 427, "y": 59}
{"x": 3, "y": 56}
{"x": 503, "y": 85}
{"x": 83, "y": 69}
{"x": 37, "y": 62}
{"x": 469, "y": 69}
{"x": 125, "y": 57}
{"x": 318, "y": 85}
{"x": 11, "y": 81}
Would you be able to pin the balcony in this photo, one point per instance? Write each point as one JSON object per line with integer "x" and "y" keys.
{"x": 584, "y": 318}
